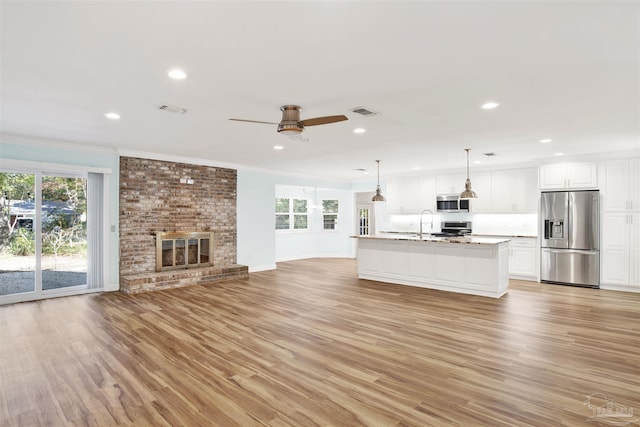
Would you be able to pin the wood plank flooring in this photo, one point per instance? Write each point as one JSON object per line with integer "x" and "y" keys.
{"x": 309, "y": 344}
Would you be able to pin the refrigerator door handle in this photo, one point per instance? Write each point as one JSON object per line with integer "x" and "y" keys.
{"x": 570, "y": 251}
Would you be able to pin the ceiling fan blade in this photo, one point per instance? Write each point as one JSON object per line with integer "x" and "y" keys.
{"x": 323, "y": 120}
{"x": 254, "y": 121}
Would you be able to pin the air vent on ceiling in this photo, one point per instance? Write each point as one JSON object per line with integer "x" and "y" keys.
{"x": 489, "y": 154}
{"x": 172, "y": 109}
{"x": 364, "y": 111}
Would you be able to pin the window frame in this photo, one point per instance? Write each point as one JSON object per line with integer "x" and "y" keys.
{"x": 324, "y": 213}
{"x": 292, "y": 214}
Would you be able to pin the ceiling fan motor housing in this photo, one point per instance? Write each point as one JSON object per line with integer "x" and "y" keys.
{"x": 290, "y": 124}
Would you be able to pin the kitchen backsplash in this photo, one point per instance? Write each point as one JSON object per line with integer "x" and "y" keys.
{"x": 499, "y": 224}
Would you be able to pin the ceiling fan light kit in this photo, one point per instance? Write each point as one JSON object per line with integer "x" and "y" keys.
{"x": 291, "y": 123}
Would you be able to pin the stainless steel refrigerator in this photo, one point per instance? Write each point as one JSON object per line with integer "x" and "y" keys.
{"x": 569, "y": 249}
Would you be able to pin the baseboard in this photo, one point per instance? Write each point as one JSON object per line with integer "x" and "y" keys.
{"x": 262, "y": 268}
{"x": 621, "y": 288}
{"x": 112, "y": 287}
{"x": 299, "y": 257}
{"x": 525, "y": 278}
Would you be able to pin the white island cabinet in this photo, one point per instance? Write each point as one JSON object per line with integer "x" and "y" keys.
{"x": 478, "y": 266}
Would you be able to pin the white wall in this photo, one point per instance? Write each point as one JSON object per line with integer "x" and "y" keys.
{"x": 256, "y": 221}
{"x": 316, "y": 242}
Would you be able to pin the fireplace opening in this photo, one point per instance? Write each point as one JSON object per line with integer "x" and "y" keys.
{"x": 183, "y": 250}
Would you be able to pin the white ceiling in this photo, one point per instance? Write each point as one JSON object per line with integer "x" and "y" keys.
{"x": 559, "y": 69}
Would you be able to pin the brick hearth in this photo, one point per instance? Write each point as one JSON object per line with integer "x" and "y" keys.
{"x": 136, "y": 283}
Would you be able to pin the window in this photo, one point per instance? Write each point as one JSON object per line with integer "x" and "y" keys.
{"x": 282, "y": 214}
{"x": 292, "y": 214}
{"x": 363, "y": 228}
{"x": 329, "y": 214}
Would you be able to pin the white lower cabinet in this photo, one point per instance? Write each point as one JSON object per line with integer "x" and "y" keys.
{"x": 478, "y": 269}
{"x": 620, "y": 251}
{"x": 524, "y": 258}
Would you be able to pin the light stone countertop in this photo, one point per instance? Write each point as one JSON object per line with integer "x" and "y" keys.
{"x": 529, "y": 236}
{"x": 426, "y": 238}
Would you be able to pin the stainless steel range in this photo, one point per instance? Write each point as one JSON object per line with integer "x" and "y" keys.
{"x": 454, "y": 229}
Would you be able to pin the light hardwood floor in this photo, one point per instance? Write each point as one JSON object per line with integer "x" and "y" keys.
{"x": 310, "y": 344}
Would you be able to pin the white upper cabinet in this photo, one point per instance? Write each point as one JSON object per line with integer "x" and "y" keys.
{"x": 427, "y": 193}
{"x": 514, "y": 191}
{"x": 402, "y": 195}
{"x": 449, "y": 184}
{"x": 481, "y": 184}
{"x": 620, "y": 185}
{"x": 561, "y": 176}
{"x": 411, "y": 194}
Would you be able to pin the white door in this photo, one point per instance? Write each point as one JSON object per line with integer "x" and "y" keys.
{"x": 364, "y": 217}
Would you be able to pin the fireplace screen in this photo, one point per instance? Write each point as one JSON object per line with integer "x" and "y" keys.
{"x": 183, "y": 250}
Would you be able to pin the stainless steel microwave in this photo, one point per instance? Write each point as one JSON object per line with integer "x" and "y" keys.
{"x": 451, "y": 203}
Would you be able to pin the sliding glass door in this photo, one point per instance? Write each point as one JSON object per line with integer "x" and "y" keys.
{"x": 64, "y": 232}
{"x": 43, "y": 235}
{"x": 17, "y": 234}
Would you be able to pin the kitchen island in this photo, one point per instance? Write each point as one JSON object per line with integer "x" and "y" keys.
{"x": 470, "y": 265}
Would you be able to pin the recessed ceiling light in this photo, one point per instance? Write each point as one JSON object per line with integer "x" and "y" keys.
{"x": 489, "y": 105}
{"x": 416, "y": 168}
{"x": 546, "y": 140}
{"x": 477, "y": 162}
{"x": 558, "y": 154}
{"x": 359, "y": 130}
{"x": 278, "y": 147}
{"x": 112, "y": 116}
{"x": 177, "y": 74}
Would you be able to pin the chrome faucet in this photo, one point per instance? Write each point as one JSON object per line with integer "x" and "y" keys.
{"x": 431, "y": 222}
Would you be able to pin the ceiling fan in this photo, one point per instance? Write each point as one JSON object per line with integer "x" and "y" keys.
{"x": 291, "y": 123}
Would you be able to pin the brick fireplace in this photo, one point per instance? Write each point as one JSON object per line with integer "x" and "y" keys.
{"x": 194, "y": 206}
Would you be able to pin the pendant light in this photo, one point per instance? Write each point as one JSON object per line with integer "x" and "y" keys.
{"x": 378, "y": 197}
{"x": 468, "y": 193}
